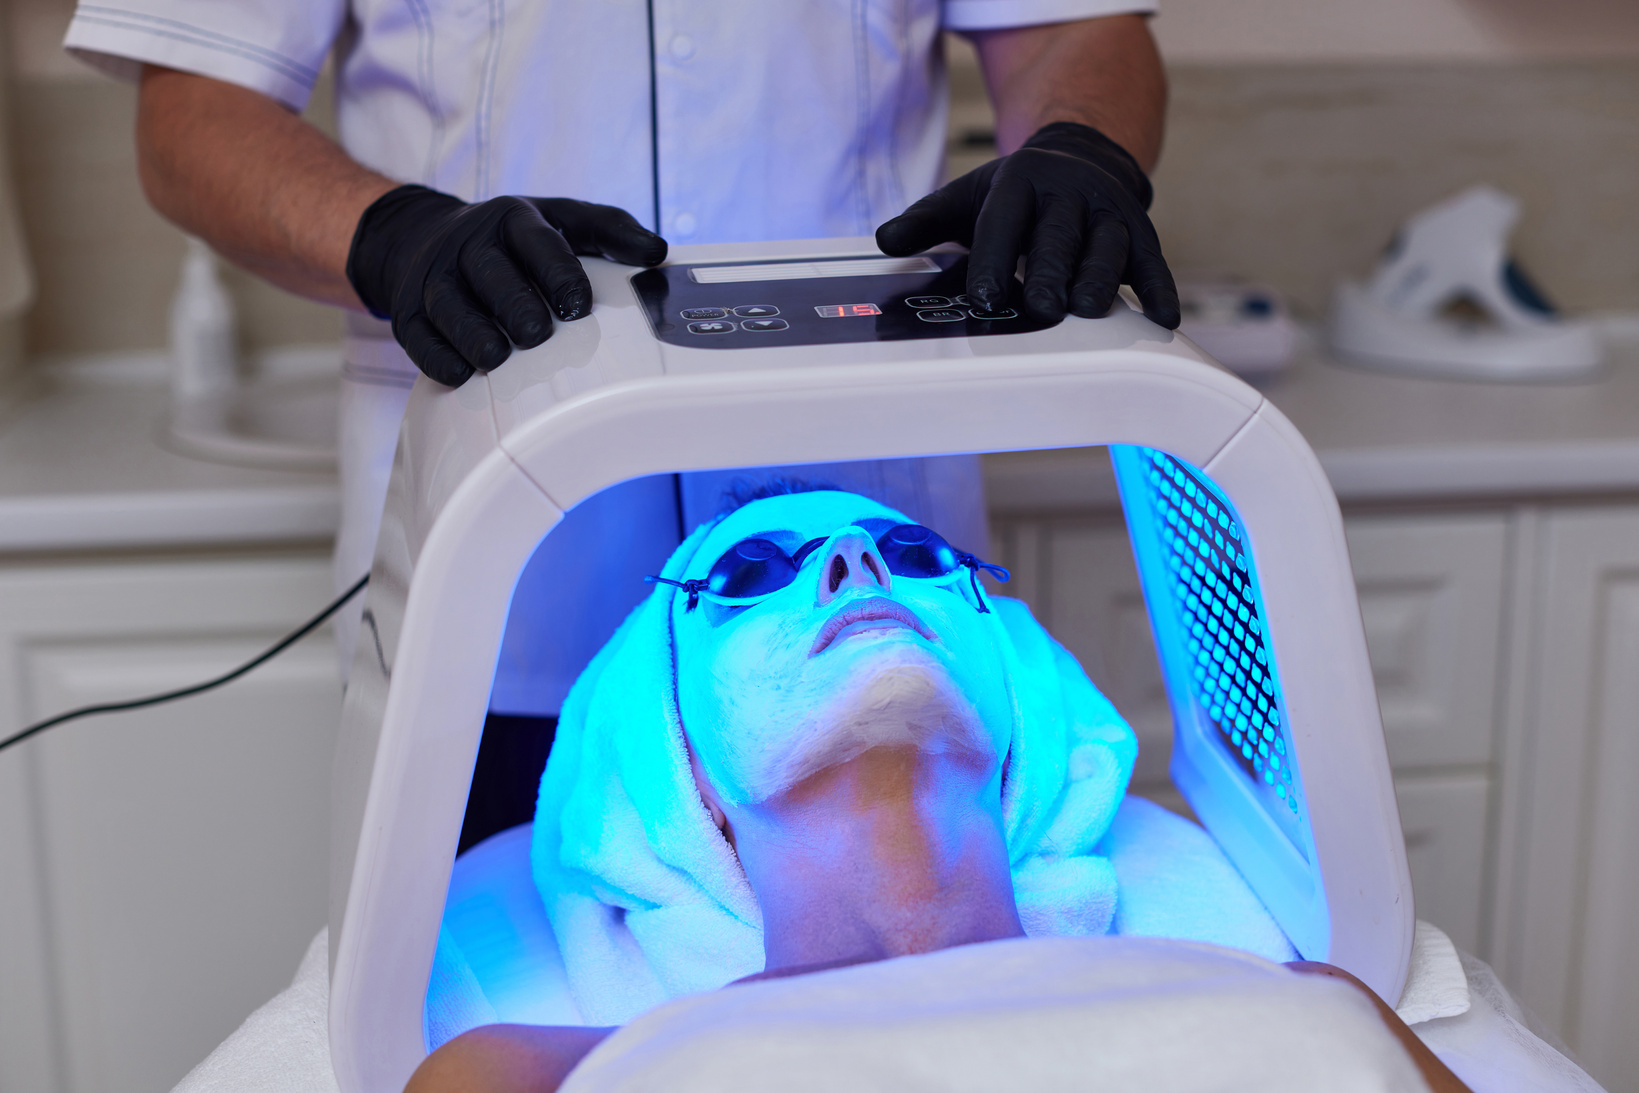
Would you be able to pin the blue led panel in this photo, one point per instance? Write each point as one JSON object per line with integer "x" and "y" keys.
{"x": 1207, "y": 612}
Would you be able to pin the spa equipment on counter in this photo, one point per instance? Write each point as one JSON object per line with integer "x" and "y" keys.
{"x": 1245, "y": 327}
{"x": 750, "y": 355}
{"x": 1447, "y": 300}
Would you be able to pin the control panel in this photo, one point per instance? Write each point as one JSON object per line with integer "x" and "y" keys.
{"x": 821, "y": 302}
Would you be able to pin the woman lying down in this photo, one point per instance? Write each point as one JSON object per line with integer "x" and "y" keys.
{"x": 822, "y": 815}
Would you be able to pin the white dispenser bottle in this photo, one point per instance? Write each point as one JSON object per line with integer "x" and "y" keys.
{"x": 204, "y": 333}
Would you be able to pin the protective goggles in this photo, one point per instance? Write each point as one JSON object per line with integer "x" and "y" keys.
{"x": 754, "y": 568}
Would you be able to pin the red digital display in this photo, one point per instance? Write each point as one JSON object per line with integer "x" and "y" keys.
{"x": 843, "y": 311}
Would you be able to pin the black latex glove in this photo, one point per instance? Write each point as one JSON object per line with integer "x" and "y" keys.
{"x": 464, "y": 283}
{"x": 1073, "y": 202}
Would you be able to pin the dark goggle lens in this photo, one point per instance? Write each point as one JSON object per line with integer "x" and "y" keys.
{"x": 911, "y": 550}
{"x": 751, "y": 567}
{"x": 757, "y": 567}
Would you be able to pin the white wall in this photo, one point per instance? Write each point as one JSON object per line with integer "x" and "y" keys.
{"x": 36, "y": 30}
{"x": 1228, "y": 31}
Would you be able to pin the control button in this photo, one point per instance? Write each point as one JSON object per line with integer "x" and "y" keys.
{"x": 999, "y": 313}
{"x": 959, "y": 301}
{"x": 711, "y": 328}
{"x": 942, "y": 316}
{"x": 757, "y": 311}
{"x": 764, "y": 324}
{"x": 927, "y": 301}
{"x": 704, "y": 313}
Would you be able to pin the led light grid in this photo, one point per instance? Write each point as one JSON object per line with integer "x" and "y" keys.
{"x": 1214, "y": 598}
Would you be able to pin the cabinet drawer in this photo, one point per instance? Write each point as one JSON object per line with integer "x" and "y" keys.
{"x": 1443, "y": 818}
{"x": 180, "y": 851}
{"x": 1431, "y": 592}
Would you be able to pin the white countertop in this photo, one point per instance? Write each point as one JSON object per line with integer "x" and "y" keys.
{"x": 82, "y": 465}
{"x": 1384, "y": 438}
{"x": 1393, "y": 437}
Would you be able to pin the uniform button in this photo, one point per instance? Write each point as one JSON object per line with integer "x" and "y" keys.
{"x": 757, "y": 311}
{"x": 938, "y": 315}
{"x": 927, "y": 301}
{"x": 703, "y": 313}
{"x": 711, "y": 328}
{"x": 682, "y": 47}
{"x": 999, "y": 313}
{"x": 683, "y": 224}
{"x": 764, "y": 324}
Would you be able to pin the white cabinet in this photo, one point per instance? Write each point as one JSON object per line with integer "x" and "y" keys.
{"x": 1431, "y": 597}
{"x": 1432, "y": 592}
{"x": 164, "y": 867}
{"x": 1568, "y": 861}
{"x": 1443, "y": 819}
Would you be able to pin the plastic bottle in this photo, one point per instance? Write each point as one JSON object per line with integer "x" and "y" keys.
{"x": 204, "y": 334}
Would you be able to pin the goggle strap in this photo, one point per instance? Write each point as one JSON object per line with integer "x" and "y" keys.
{"x": 974, "y": 564}
{"x": 693, "y": 588}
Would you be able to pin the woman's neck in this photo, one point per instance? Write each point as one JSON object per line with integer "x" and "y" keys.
{"x": 893, "y": 852}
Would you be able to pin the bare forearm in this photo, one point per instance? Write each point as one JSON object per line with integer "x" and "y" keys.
{"x": 1102, "y": 72}
{"x": 267, "y": 190}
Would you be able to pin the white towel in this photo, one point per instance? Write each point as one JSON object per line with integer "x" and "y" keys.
{"x": 1435, "y": 985}
{"x": 647, "y": 898}
{"x": 284, "y": 1047}
{"x": 1039, "y": 1014}
{"x": 1177, "y": 882}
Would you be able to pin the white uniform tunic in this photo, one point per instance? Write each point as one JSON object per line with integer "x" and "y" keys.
{"x": 718, "y": 120}
{"x": 774, "y": 120}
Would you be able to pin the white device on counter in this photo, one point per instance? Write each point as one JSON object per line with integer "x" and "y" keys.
{"x": 754, "y": 355}
{"x": 1246, "y": 327}
{"x": 1446, "y": 300}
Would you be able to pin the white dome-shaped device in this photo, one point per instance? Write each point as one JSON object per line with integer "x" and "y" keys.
{"x": 1453, "y": 257}
{"x": 771, "y": 354}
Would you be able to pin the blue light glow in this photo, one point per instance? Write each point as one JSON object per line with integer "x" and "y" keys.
{"x": 1199, "y": 575}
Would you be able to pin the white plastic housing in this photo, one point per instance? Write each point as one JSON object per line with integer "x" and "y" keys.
{"x": 484, "y": 472}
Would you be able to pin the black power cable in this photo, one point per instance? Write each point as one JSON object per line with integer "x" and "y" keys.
{"x": 153, "y": 700}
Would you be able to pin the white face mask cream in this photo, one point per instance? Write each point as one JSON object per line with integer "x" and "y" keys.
{"x": 846, "y": 657}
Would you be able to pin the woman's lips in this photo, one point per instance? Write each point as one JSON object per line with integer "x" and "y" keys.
{"x": 875, "y": 609}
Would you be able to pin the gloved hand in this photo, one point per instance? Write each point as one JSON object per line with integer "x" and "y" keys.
{"x": 1073, "y": 201}
{"x": 459, "y": 280}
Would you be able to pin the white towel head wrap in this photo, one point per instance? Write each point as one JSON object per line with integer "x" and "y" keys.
{"x": 646, "y": 896}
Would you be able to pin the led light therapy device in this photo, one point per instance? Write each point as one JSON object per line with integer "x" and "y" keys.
{"x": 744, "y": 356}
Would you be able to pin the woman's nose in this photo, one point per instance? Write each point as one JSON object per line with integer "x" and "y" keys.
{"x": 850, "y": 560}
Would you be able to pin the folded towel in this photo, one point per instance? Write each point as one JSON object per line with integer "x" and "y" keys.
{"x": 1435, "y": 985}
{"x": 1495, "y": 1045}
{"x": 647, "y": 898}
